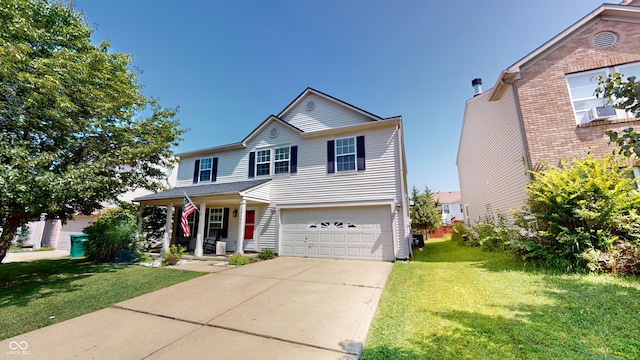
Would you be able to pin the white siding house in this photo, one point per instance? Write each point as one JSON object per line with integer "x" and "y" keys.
{"x": 323, "y": 178}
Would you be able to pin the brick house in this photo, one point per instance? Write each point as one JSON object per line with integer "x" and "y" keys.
{"x": 542, "y": 109}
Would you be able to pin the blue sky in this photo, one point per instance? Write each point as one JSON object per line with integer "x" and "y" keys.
{"x": 228, "y": 65}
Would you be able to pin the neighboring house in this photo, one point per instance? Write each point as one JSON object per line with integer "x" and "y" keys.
{"x": 323, "y": 178}
{"x": 54, "y": 234}
{"x": 450, "y": 204}
{"x": 542, "y": 109}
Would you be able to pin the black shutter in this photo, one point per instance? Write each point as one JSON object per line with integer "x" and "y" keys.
{"x": 196, "y": 172}
{"x": 206, "y": 224}
{"x": 196, "y": 220}
{"x": 252, "y": 164}
{"x": 225, "y": 222}
{"x": 294, "y": 160}
{"x": 214, "y": 169}
{"x": 360, "y": 151}
{"x": 331, "y": 155}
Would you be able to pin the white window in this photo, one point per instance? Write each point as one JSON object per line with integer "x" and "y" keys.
{"x": 263, "y": 162}
{"x": 445, "y": 208}
{"x": 281, "y": 160}
{"x": 581, "y": 89}
{"x": 191, "y": 220}
{"x": 206, "y": 167}
{"x": 634, "y": 174}
{"x": 582, "y": 86}
{"x": 216, "y": 217}
{"x": 346, "y": 154}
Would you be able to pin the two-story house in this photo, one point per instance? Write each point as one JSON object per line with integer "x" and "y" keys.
{"x": 450, "y": 206}
{"x": 542, "y": 109}
{"x": 322, "y": 178}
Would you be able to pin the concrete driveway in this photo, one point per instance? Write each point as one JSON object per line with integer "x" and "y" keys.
{"x": 285, "y": 308}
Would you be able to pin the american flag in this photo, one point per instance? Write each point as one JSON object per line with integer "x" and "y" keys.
{"x": 187, "y": 208}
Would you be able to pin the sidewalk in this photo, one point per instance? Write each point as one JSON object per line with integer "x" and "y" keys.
{"x": 34, "y": 255}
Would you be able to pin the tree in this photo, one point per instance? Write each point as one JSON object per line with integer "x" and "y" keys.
{"x": 424, "y": 213}
{"x": 75, "y": 128}
{"x": 624, "y": 95}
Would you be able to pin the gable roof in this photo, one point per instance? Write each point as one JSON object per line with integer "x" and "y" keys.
{"x": 450, "y": 197}
{"x": 615, "y": 12}
{"x": 278, "y": 119}
{"x": 264, "y": 124}
{"x": 309, "y": 90}
{"x": 211, "y": 189}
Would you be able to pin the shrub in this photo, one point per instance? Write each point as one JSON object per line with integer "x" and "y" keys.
{"x": 173, "y": 255}
{"x": 113, "y": 230}
{"x": 266, "y": 254}
{"x": 145, "y": 258}
{"x": 124, "y": 256}
{"x": 576, "y": 214}
{"x": 238, "y": 260}
{"x": 460, "y": 233}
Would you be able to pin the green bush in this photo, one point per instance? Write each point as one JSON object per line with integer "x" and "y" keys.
{"x": 174, "y": 255}
{"x": 266, "y": 254}
{"x": 113, "y": 230}
{"x": 123, "y": 256}
{"x": 577, "y": 214}
{"x": 460, "y": 233}
{"x": 238, "y": 260}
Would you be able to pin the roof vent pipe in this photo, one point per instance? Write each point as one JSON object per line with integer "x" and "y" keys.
{"x": 477, "y": 86}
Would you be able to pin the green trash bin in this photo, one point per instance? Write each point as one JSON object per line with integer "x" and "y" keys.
{"x": 77, "y": 245}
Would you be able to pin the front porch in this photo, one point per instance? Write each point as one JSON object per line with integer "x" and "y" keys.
{"x": 230, "y": 218}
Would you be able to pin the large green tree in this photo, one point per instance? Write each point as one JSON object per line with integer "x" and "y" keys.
{"x": 625, "y": 95}
{"x": 424, "y": 212}
{"x": 75, "y": 127}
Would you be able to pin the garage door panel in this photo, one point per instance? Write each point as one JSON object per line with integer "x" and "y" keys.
{"x": 350, "y": 233}
{"x": 326, "y": 251}
{"x": 325, "y": 238}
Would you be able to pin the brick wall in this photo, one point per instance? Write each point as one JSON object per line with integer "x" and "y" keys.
{"x": 549, "y": 122}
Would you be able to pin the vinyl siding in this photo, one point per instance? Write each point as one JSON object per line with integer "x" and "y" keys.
{"x": 312, "y": 184}
{"x": 490, "y": 157}
{"x": 380, "y": 183}
{"x": 267, "y": 228}
{"x": 326, "y": 115}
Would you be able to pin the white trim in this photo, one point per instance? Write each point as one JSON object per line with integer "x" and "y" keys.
{"x": 308, "y": 91}
{"x": 336, "y": 204}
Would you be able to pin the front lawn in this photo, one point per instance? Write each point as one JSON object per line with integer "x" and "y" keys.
{"x": 458, "y": 302}
{"x": 43, "y": 292}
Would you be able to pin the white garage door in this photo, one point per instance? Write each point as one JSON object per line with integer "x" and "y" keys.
{"x": 363, "y": 233}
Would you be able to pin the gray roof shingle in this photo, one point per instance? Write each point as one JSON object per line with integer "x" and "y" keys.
{"x": 211, "y": 189}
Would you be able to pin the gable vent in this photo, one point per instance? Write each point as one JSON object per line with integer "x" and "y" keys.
{"x": 310, "y": 105}
{"x": 605, "y": 39}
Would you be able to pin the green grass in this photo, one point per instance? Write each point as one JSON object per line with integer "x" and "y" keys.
{"x": 15, "y": 249}
{"x": 457, "y": 302}
{"x": 32, "y": 292}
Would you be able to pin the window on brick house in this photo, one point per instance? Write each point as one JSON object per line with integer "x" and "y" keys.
{"x": 587, "y": 107}
{"x": 634, "y": 174}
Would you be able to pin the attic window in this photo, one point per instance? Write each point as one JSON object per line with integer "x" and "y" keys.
{"x": 605, "y": 39}
{"x": 310, "y": 105}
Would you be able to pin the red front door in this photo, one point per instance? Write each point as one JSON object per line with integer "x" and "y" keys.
{"x": 249, "y": 224}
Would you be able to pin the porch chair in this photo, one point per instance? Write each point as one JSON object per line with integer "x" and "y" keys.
{"x": 209, "y": 245}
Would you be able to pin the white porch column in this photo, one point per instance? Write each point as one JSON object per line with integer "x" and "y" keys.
{"x": 241, "y": 224}
{"x": 166, "y": 238}
{"x": 200, "y": 237}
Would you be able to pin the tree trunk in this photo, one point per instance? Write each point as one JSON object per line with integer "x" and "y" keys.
{"x": 4, "y": 246}
{"x": 9, "y": 229}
